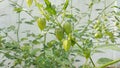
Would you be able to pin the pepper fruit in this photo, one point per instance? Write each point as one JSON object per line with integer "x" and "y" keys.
{"x": 41, "y": 23}
{"x": 59, "y": 33}
{"x": 67, "y": 28}
{"x": 66, "y": 44}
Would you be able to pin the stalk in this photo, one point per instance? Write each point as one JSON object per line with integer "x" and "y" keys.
{"x": 19, "y": 22}
{"x": 78, "y": 45}
{"x": 92, "y": 62}
{"x": 84, "y": 66}
{"x": 44, "y": 43}
{"x": 18, "y": 28}
{"x": 104, "y": 10}
{"x": 21, "y": 7}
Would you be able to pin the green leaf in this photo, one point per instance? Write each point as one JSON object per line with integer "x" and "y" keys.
{"x": 109, "y": 46}
{"x": 51, "y": 10}
{"x": 47, "y": 2}
{"x": 51, "y": 43}
{"x": 25, "y": 47}
{"x": 29, "y": 22}
{"x": 114, "y": 47}
{"x": 96, "y": 1}
{"x": 16, "y": 62}
{"x": 117, "y": 20}
{"x": 115, "y": 7}
{"x": 98, "y": 51}
{"x": 39, "y": 6}
{"x": 66, "y": 4}
{"x": 34, "y": 51}
{"x": 9, "y": 56}
{"x": 39, "y": 36}
{"x": 104, "y": 60}
{"x": 23, "y": 39}
{"x": 1, "y": 64}
{"x": 90, "y": 5}
{"x": 11, "y": 28}
{"x": 18, "y": 10}
{"x": 35, "y": 42}
{"x": 111, "y": 36}
{"x": 109, "y": 63}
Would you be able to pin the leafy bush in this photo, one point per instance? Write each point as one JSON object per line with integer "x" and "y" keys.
{"x": 73, "y": 37}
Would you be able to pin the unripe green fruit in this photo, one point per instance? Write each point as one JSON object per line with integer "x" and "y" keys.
{"x": 29, "y": 2}
{"x": 67, "y": 27}
{"x": 97, "y": 25}
{"x": 41, "y": 23}
{"x": 66, "y": 44}
{"x": 59, "y": 33}
{"x": 98, "y": 35}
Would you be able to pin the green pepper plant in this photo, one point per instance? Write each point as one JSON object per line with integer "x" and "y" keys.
{"x": 73, "y": 36}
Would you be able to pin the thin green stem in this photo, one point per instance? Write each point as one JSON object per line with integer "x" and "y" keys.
{"x": 104, "y": 10}
{"x": 29, "y": 14}
{"x": 57, "y": 22}
{"x": 18, "y": 28}
{"x": 92, "y": 62}
{"x": 19, "y": 22}
{"x": 85, "y": 29}
{"x": 78, "y": 45}
{"x": 41, "y": 9}
{"x": 84, "y": 66}
{"x": 22, "y": 7}
{"x": 90, "y": 13}
{"x": 44, "y": 42}
{"x": 71, "y": 6}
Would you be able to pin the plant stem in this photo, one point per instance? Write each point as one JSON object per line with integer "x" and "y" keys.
{"x": 22, "y": 7}
{"x": 19, "y": 22}
{"x": 104, "y": 10}
{"x": 109, "y": 63}
{"x": 84, "y": 66}
{"x": 56, "y": 21}
{"x": 92, "y": 62}
{"x": 44, "y": 43}
{"x": 84, "y": 30}
{"x": 18, "y": 28}
{"x": 78, "y": 45}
